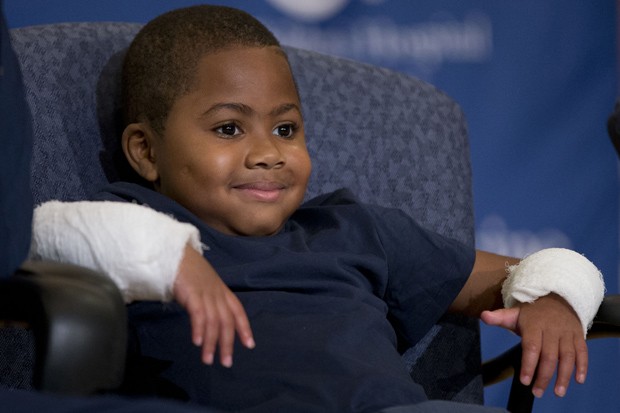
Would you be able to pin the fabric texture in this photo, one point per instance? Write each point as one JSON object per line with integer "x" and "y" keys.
{"x": 17, "y": 352}
{"x": 392, "y": 139}
{"x": 442, "y": 406}
{"x": 21, "y": 401}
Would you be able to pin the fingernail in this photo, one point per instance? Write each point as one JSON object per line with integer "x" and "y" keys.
{"x": 249, "y": 343}
{"x": 538, "y": 393}
{"x": 560, "y": 391}
{"x": 581, "y": 378}
{"x": 525, "y": 380}
{"x": 208, "y": 358}
{"x": 227, "y": 361}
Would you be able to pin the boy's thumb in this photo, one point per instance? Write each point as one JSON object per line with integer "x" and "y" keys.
{"x": 506, "y": 318}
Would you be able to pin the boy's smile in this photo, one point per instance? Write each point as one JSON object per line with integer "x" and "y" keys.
{"x": 233, "y": 148}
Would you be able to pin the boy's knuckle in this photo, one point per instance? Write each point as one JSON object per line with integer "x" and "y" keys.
{"x": 543, "y": 376}
{"x": 211, "y": 319}
{"x": 530, "y": 346}
{"x": 548, "y": 357}
{"x": 568, "y": 355}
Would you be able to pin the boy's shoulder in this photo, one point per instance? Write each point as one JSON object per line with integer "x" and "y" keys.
{"x": 138, "y": 194}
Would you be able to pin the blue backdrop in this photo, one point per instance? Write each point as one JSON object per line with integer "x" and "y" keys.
{"x": 537, "y": 81}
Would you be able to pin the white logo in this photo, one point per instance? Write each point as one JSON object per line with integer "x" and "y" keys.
{"x": 493, "y": 235}
{"x": 419, "y": 47}
{"x": 311, "y": 10}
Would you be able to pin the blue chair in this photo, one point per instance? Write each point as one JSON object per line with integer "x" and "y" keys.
{"x": 393, "y": 139}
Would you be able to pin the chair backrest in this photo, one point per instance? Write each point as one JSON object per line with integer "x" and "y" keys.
{"x": 392, "y": 139}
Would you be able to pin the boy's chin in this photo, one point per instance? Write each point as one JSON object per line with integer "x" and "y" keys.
{"x": 261, "y": 230}
{"x": 252, "y": 228}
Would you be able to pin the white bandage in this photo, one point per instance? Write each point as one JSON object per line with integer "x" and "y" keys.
{"x": 560, "y": 271}
{"x": 139, "y": 248}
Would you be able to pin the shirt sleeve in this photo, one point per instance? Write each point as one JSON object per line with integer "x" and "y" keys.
{"x": 139, "y": 248}
{"x": 426, "y": 271}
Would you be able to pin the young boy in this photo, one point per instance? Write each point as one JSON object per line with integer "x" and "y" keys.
{"x": 214, "y": 127}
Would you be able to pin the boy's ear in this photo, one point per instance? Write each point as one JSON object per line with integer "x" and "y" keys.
{"x": 137, "y": 141}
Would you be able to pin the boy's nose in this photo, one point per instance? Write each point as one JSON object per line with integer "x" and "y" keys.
{"x": 264, "y": 152}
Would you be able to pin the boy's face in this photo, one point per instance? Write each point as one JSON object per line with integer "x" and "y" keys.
{"x": 233, "y": 151}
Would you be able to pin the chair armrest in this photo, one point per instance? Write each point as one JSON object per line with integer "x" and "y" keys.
{"x": 501, "y": 367}
{"x": 508, "y": 364}
{"x": 607, "y": 320}
{"x": 79, "y": 325}
{"x": 606, "y": 324}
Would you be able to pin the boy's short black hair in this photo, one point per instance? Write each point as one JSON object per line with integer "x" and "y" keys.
{"x": 161, "y": 62}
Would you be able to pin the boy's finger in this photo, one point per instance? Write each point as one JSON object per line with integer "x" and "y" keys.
{"x": 565, "y": 366}
{"x": 529, "y": 359}
{"x": 211, "y": 333}
{"x": 547, "y": 364}
{"x": 242, "y": 324}
{"x": 506, "y": 318}
{"x": 581, "y": 362}
{"x": 196, "y": 313}
{"x": 226, "y": 337}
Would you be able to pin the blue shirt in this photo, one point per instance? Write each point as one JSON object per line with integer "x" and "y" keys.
{"x": 328, "y": 299}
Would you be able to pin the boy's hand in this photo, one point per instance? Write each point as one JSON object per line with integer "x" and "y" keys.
{"x": 551, "y": 335}
{"x": 215, "y": 312}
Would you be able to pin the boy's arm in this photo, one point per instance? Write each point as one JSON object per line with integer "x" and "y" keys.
{"x": 150, "y": 256}
{"x": 483, "y": 289}
{"x": 552, "y": 333}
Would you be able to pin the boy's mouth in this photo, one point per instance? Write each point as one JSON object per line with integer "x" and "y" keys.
{"x": 261, "y": 191}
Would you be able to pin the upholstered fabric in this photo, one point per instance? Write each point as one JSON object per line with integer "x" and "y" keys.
{"x": 61, "y": 65}
{"x": 392, "y": 139}
{"x": 17, "y": 352}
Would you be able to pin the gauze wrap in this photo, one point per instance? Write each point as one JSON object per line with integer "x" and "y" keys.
{"x": 560, "y": 271}
{"x": 138, "y": 248}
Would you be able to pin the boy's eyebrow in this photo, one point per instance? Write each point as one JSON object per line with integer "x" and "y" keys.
{"x": 247, "y": 110}
{"x": 282, "y": 109}
{"x": 237, "y": 107}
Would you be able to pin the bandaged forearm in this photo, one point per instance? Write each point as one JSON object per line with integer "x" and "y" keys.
{"x": 138, "y": 248}
{"x": 560, "y": 271}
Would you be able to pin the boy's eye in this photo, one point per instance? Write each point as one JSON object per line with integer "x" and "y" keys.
{"x": 230, "y": 129}
{"x": 285, "y": 131}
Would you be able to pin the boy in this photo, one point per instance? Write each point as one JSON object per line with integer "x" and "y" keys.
{"x": 214, "y": 126}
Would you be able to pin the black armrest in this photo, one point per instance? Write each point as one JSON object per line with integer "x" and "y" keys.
{"x": 79, "y": 324}
{"x": 606, "y": 324}
{"x": 613, "y": 127}
{"x": 607, "y": 320}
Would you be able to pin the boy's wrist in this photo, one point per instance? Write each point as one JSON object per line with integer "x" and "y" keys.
{"x": 561, "y": 271}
